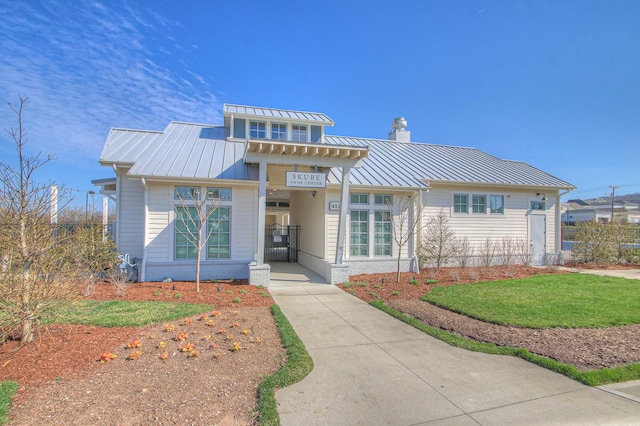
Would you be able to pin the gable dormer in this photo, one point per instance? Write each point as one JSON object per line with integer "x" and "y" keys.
{"x": 257, "y": 123}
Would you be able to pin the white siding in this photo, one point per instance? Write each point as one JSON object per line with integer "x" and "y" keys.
{"x": 308, "y": 212}
{"x": 477, "y": 228}
{"x": 161, "y": 238}
{"x": 244, "y": 221}
{"x": 333, "y": 221}
{"x": 160, "y": 232}
{"x": 131, "y": 216}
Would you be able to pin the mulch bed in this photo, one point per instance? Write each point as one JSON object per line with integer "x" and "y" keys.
{"x": 586, "y": 349}
{"x": 62, "y": 382}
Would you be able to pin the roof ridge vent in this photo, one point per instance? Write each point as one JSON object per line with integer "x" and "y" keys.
{"x": 399, "y": 132}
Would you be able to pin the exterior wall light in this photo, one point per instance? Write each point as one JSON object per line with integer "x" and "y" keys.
{"x": 544, "y": 197}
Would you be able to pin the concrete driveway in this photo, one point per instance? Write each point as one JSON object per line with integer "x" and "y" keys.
{"x": 371, "y": 369}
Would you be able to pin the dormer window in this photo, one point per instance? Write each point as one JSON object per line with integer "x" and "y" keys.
{"x": 258, "y": 130}
{"x": 298, "y": 133}
{"x": 279, "y": 131}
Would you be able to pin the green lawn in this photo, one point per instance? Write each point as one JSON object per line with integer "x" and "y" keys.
{"x": 545, "y": 301}
{"x": 123, "y": 313}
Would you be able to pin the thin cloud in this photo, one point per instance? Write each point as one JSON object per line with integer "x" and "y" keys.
{"x": 88, "y": 67}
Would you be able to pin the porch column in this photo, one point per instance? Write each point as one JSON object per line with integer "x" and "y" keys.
{"x": 344, "y": 205}
{"x": 262, "y": 208}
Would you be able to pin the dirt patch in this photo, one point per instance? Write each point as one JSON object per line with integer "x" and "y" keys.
{"x": 586, "y": 349}
{"x": 62, "y": 382}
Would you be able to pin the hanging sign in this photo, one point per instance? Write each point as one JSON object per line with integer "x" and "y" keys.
{"x": 306, "y": 180}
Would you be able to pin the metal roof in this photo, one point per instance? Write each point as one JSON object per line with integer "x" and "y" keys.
{"x": 181, "y": 151}
{"x": 393, "y": 163}
{"x": 283, "y": 114}
{"x": 199, "y": 151}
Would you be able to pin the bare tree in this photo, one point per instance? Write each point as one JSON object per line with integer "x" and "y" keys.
{"x": 403, "y": 216}
{"x": 464, "y": 251}
{"x": 195, "y": 222}
{"x": 439, "y": 244}
{"x": 523, "y": 251}
{"x": 39, "y": 272}
{"x": 505, "y": 252}
{"x": 487, "y": 253}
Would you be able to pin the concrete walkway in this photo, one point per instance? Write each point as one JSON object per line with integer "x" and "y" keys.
{"x": 371, "y": 369}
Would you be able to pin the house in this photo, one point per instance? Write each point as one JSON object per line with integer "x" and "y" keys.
{"x": 284, "y": 184}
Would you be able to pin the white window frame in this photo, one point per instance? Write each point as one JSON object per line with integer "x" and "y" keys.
{"x": 279, "y": 132}
{"x": 387, "y": 214}
{"x": 475, "y": 203}
{"x": 466, "y": 204}
{"x": 502, "y": 205}
{"x": 255, "y": 134}
{"x": 367, "y": 233}
{"x": 296, "y": 133}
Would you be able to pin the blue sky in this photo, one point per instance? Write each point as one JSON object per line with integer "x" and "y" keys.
{"x": 552, "y": 83}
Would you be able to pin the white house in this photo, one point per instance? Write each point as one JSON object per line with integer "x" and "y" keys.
{"x": 284, "y": 184}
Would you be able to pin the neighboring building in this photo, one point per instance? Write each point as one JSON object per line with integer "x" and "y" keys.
{"x": 270, "y": 168}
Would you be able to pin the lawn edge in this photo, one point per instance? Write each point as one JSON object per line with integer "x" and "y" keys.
{"x": 590, "y": 377}
{"x": 299, "y": 364}
{"x": 7, "y": 391}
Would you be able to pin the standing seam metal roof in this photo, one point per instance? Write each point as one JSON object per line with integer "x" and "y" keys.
{"x": 199, "y": 151}
{"x": 284, "y": 114}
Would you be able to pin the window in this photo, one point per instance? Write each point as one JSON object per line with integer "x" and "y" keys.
{"x": 219, "y": 193}
{"x": 359, "y": 198}
{"x": 186, "y": 229}
{"x": 538, "y": 205}
{"x": 479, "y": 204}
{"x": 496, "y": 204}
{"x": 218, "y": 229}
{"x": 383, "y": 199}
{"x": 298, "y": 133}
{"x": 460, "y": 203}
{"x": 359, "y": 241}
{"x": 258, "y": 130}
{"x": 279, "y": 131}
{"x": 382, "y": 234}
{"x": 187, "y": 193}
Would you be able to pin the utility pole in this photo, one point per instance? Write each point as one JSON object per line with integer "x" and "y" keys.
{"x": 613, "y": 197}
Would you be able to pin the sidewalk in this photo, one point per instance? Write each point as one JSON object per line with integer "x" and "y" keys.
{"x": 622, "y": 273}
{"x": 371, "y": 369}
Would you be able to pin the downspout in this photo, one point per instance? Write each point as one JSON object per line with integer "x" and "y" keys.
{"x": 143, "y": 269}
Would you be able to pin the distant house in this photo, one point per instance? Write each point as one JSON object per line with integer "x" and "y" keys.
{"x": 285, "y": 184}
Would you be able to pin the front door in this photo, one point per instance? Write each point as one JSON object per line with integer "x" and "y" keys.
{"x": 538, "y": 236}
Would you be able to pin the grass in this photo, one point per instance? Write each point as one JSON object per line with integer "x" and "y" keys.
{"x": 123, "y": 313}
{"x": 7, "y": 390}
{"x": 591, "y": 378}
{"x": 298, "y": 366}
{"x": 546, "y": 301}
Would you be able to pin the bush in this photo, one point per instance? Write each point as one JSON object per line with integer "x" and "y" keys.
{"x": 605, "y": 243}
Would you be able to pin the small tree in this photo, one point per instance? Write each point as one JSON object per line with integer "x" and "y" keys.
{"x": 464, "y": 251}
{"x": 39, "y": 271}
{"x": 439, "y": 246}
{"x": 404, "y": 217}
{"x": 195, "y": 222}
{"x": 487, "y": 253}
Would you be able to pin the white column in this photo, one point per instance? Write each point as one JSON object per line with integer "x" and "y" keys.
{"x": 344, "y": 205}
{"x": 262, "y": 208}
